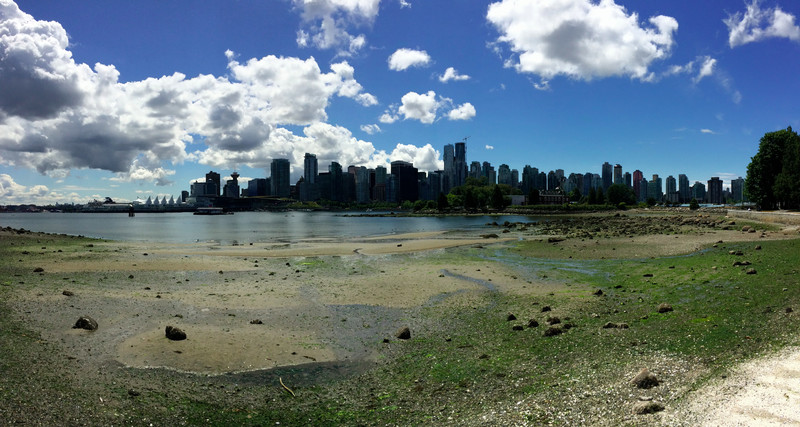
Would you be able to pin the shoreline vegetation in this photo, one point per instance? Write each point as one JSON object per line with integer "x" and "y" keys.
{"x": 632, "y": 317}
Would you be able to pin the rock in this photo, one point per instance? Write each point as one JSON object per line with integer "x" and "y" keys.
{"x": 789, "y": 310}
{"x": 174, "y": 333}
{"x": 750, "y": 271}
{"x": 511, "y": 317}
{"x": 533, "y": 323}
{"x": 645, "y": 379}
{"x": 738, "y": 263}
{"x": 546, "y": 309}
{"x": 758, "y": 247}
{"x": 664, "y": 308}
{"x": 517, "y": 328}
{"x": 554, "y": 320}
{"x": 38, "y": 270}
{"x": 610, "y": 325}
{"x": 554, "y": 239}
{"x": 68, "y": 293}
{"x": 647, "y": 275}
{"x": 256, "y": 322}
{"x": 643, "y": 408}
{"x": 489, "y": 236}
{"x": 85, "y": 322}
{"x": 553, "y": 331}
{"x": 133, "y": 393}
{"x": 622, "y": 326}
{"x": 403, "y": 333}
{"x": 598, "y": 292}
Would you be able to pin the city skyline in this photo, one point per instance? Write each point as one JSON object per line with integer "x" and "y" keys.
{"x": 141, "y": 99}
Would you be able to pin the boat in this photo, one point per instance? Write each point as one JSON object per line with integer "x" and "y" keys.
{"x": 211, "y": 211}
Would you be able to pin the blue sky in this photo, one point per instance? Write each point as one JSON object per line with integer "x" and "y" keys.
{"x": 135, "y": 99}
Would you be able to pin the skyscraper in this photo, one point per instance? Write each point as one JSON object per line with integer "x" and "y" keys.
{"x": 737, "y": 190}
{"x": 213, "y": 184}
{"x": 449, "y": 167}
{"x": 460, "y": 163}
{"x": 310, "y": 168}
{"x": 684, "y": 191}
{"x": 405, "y": 178}
{"x": 618, "y": 174}
{"x": 637, "y": 179}
{"x": 504, "y": 175}
{"x": 606, "y": 172}
{"x": 279, "y": 177}
{"x": 672, "y": 190}
{"x": 715, "y": 191}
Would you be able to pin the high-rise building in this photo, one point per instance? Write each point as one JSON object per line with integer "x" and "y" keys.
{"x": 213, "y": 184}
{"x": 337, "y": 190}
{"x": 404, "y": 175}
{"x": 655, "y": 189}
{"x": 504, "y": 175}
{"x": 618, "y": 174}
{"x": 449, "y": 158}
{"x": 460, "y": 163}
{"x": 587, "y": 183}
{"x": 607, "y": 175}
{"x": 672, "y": 194}
{"x": 279, "y": 177}
{"x": 514, "y": 178}
{"x": 699, "y": 192}
{"x": 642, "y": 196}
{"x": 637, "y": 179}
{"x": 684, "y": 191}
{"x": 627, "y": 178}
{"x": 737, "y": 190}
{"x": 552, "y": 181}
{"x": 232, "y": 186}
{"x": 529, "y": 177}
{"x": 435, "y": 180}
{"x": 361, "y": 184}
{"x": 257, "y": 187}
{"x": 715, "y": 191}
{"x": 310, "y": 168}
{"x": 379, "y": 190}
{"x": 475, "y": 170}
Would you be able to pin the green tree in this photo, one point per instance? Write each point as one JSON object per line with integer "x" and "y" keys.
{"x": 600, "y": 198}
{"x": 575, "y": 195}
{"x": 620, "y": 193}
{"x": 470, "y": 199}
{"x": 533, "y": 197}
{"x": 786, "y": 189}
{"x": 441, "y": 202}
{"x": 693, "y": 205}
{"x": 592, "y": 197}
{"x": 767, "y": 164}
{"x": 497, "y": 201}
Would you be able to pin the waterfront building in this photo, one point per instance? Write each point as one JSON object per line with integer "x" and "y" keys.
{"x": 475, "y": 170}
{"x": 379, "y": 188}
{"x": 257, "y": 187}
{"x": 737, "y": 190}
{"x": 699, "y": 192}
{"x": 607, "y": 175}
{"x": 627, "y": 178}
{"x": 618, "y": 174}
{"x": 404, "y": 175}
{"x": 213, "y": 184}
{"x": 672, "y": 194}
{"x": 279, "y": 177}
{"x": 449, "y": 158}
{"x": 637, "y": 179}
{"x": 460, "y": 164}
{"x": 684, "y": 191}
{"x": 504, "y": 175}
{"x": 361, "y": 179}
{"x": 435, "y": 180}
{"x": 232, "y": 187}
{"x": 714, "y": 195}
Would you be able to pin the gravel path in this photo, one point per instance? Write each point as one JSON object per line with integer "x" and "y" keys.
{"x": 763, "y": 392}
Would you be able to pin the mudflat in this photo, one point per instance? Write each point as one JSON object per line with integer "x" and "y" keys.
{"x": 323, "y": 317}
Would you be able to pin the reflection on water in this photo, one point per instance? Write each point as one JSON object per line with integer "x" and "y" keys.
{"x": 242, "y": 228}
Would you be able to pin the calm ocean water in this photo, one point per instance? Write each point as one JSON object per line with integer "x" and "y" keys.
{"x": 243, "y": 227}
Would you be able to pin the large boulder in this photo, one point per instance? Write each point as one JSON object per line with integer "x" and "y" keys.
{"x": 645, "y": 379}
{"x": 85, "y": 322}
{"x": 174, "y": 333}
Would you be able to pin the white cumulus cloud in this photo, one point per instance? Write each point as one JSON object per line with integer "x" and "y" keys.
{"x": 403, "y": 59}
{"x": 756, "y": 24}
{"x": 452, "y": 74}
{"x": 328, "y": 23}
{"x": 464, "y": 111}
{"x": 581, "y": 39}
{"x": 371, "y": 129}
{"x": 422, "y": 107}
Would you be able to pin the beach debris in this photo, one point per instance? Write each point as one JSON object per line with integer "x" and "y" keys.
{"x": 280, "y": 380}
{"x": 664, "y": 308}
{"x": 85, "y": 322}
{"x": 511, "y": 317}
{"x": 67, "y": 293}
{"x": 533, "y": 323}
{"x": 644, "y": 379}
{"x": 553, "y": 331}
{"x": 644, "y": 408}
{"x": 750, "y": 271}
{"x": 174, "y": 333}
{"x": 403, "y": 333}
{"x": 256, "y": 322}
